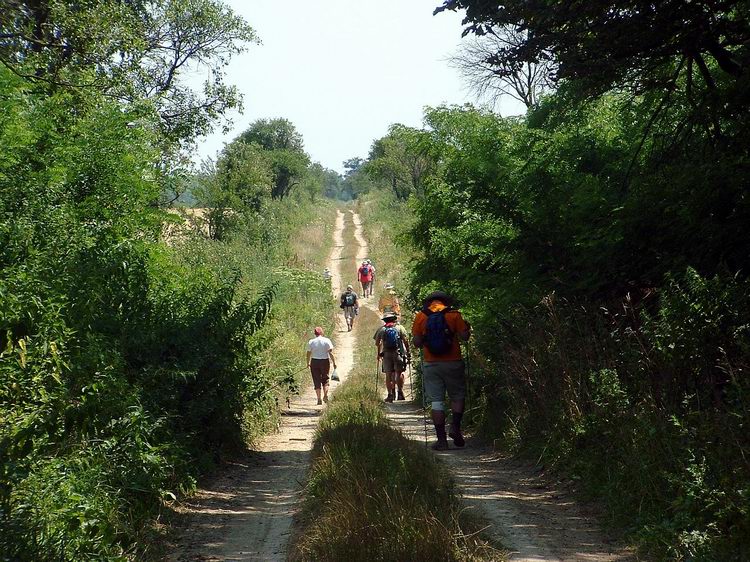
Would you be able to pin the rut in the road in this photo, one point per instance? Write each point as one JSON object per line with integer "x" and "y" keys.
{"x": 246, "y": 511}
{"x": 533, "y": 518}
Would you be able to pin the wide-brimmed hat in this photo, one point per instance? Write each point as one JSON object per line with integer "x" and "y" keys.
{"x": 445, "y": 298}
{"x": 349, "y": 287}
{"x": 389, "y": 315}
{"x": 388, "y": 286}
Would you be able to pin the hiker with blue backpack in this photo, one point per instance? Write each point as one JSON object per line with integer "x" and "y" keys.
{"x": 437, "y": 330}
{"x": 392, "y": 342}
{"x": 350, "y": 305}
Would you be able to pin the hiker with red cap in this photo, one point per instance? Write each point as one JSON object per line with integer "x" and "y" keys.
{"x": 437, "y": 329}
{"x": 366, "y": 275}
{"x": 319, "y": 360}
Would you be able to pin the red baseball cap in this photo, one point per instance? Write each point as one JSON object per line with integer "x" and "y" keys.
{"x": 318, "y": 331}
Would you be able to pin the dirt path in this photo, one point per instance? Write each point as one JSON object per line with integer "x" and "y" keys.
{"x": 245, "y": 512}
{"x": 535, "y": 519}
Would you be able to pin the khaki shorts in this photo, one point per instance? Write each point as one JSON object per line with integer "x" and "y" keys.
{"x": 319, "y": 369}
{"x": 444, "y": 376}
{"x": 392, "y": 362}
{"x": 350, "y": 312}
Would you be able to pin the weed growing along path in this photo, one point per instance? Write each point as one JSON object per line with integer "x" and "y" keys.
{"x": 246, "y": 511}
{"x": 534, "y": 518}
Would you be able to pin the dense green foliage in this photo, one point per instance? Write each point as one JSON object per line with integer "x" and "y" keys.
{"x": 602, "y": 257}
{"x": 137, "y": 52}
{"x": 134, "y": 355}
{"x": 599, "y": 245}
{"x": 618, "y": 43}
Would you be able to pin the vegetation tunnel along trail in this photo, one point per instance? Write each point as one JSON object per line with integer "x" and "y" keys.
{"x": 151, "y": 313}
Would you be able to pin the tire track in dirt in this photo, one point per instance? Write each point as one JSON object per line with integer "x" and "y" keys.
{"x": 535, "y": 519}
{"x": 245, "y": 512}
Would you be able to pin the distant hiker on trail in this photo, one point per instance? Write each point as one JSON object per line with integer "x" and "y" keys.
{"x": 389, "y": 301}
{"x": 327, "y": 275}
{"x": 437, "y": 329}
{"x": 319, "y": 360}
{"x": 365, "y": 274}
{"x": 392, "y": 342}
{"x": 350, "y": 306}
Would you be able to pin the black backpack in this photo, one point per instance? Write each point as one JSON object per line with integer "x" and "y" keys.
{"x": 439, "y": 337}
{"x": 348, "y": 299}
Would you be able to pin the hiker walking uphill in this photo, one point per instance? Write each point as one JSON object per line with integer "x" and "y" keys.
{"x": 319, "y": 360}
{"x": 366, "y": 276}
{"x": 437, "y": 329}
{"x": 389, "y": 301}
{"x": 392, "y": 342}
{"x": 350, "y": 305}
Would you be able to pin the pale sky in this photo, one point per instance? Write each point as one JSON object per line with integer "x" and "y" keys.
{"x": 343, "y": 70}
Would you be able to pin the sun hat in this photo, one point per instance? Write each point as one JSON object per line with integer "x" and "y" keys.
{"x": 388, "y": 286}
{"x": 349, "y": 287}
{"x": 445, "y": 298}
{"x": 390, "y": 314}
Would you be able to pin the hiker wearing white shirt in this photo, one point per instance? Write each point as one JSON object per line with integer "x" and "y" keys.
{"x": 319, "y": 360}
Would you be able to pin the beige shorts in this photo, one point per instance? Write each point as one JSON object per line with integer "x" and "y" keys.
{"x": 392, "y": 362}
{"x": 350, "y": 312}
{"x": 444, "y": 376}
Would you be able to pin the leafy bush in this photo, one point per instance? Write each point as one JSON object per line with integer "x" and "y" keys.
{"x": 596, "y": 246}
{"x": 128, "y": 367}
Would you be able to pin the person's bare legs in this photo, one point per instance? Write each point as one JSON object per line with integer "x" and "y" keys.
{"x": 325, "y": 393}
{"x": 389, "y": 384}
{"x": 317, "y": 393}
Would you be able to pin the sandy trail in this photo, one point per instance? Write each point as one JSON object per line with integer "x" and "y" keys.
{"x": 534, "y": 518}
{"x": 245, "y": 512}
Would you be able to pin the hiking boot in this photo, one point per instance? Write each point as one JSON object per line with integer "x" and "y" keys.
{"x": 320, "y": 402}
{"x": 401, "y": 395}
{"x": 325, "y": 399}
{"x": 458, "y": 439}
{"x": 440, "y": 445}
{"x": 389, "y": 398}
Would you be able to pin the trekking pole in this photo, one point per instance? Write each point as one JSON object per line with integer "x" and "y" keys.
{"x": 411, "y": 382}
{"x": 377, "y": 374}
{"x": 424, "y": 397}
{"x": 468, "y": 377}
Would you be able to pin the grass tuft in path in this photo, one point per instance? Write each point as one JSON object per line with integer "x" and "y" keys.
{"x": 373, "y": 494}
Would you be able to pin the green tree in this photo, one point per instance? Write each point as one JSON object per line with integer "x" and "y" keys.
{"x": 332, "y": 182}
{"x": 137, "y": 52}
{"x": 613, "y": 43}
{"x": 234, "y": 189}
{"x": 401, "y": 161}
{"x": 284, "y": 145}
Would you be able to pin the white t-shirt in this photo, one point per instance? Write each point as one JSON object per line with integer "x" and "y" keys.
{"x": 319, "y": 346}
